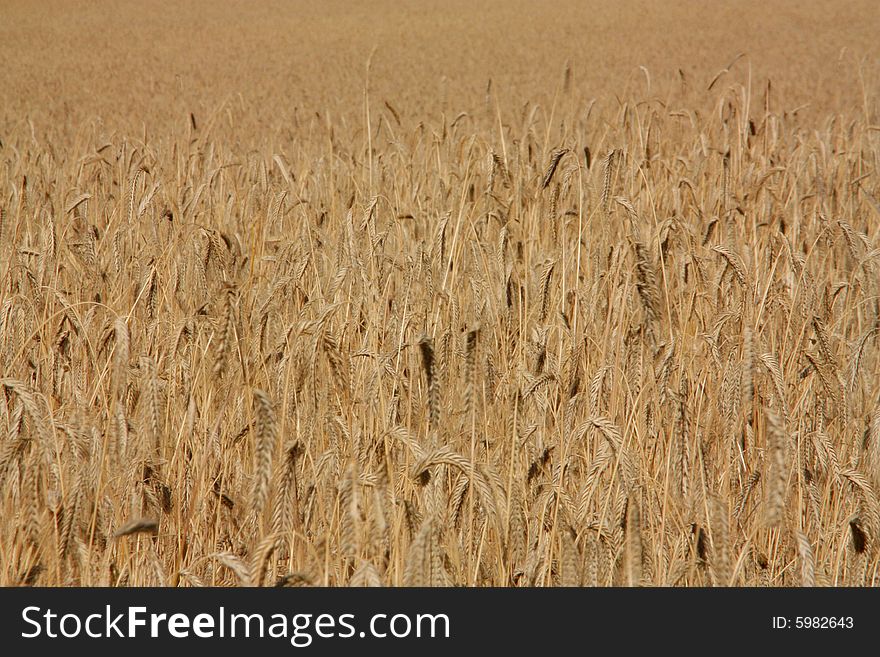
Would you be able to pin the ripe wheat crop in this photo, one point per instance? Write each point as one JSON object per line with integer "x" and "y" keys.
{"x": 579, "y": 294}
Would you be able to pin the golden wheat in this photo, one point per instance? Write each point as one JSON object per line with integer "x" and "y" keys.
{"x": 359, "y": 323}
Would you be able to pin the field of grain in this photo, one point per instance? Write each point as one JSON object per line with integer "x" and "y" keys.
{"x": 422, "y": 293}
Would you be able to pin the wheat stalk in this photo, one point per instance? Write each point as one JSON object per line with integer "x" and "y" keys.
{"x": 266, "y": 437}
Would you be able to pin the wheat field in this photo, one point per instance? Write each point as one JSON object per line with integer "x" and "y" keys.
{"x": 522, "y": 294}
